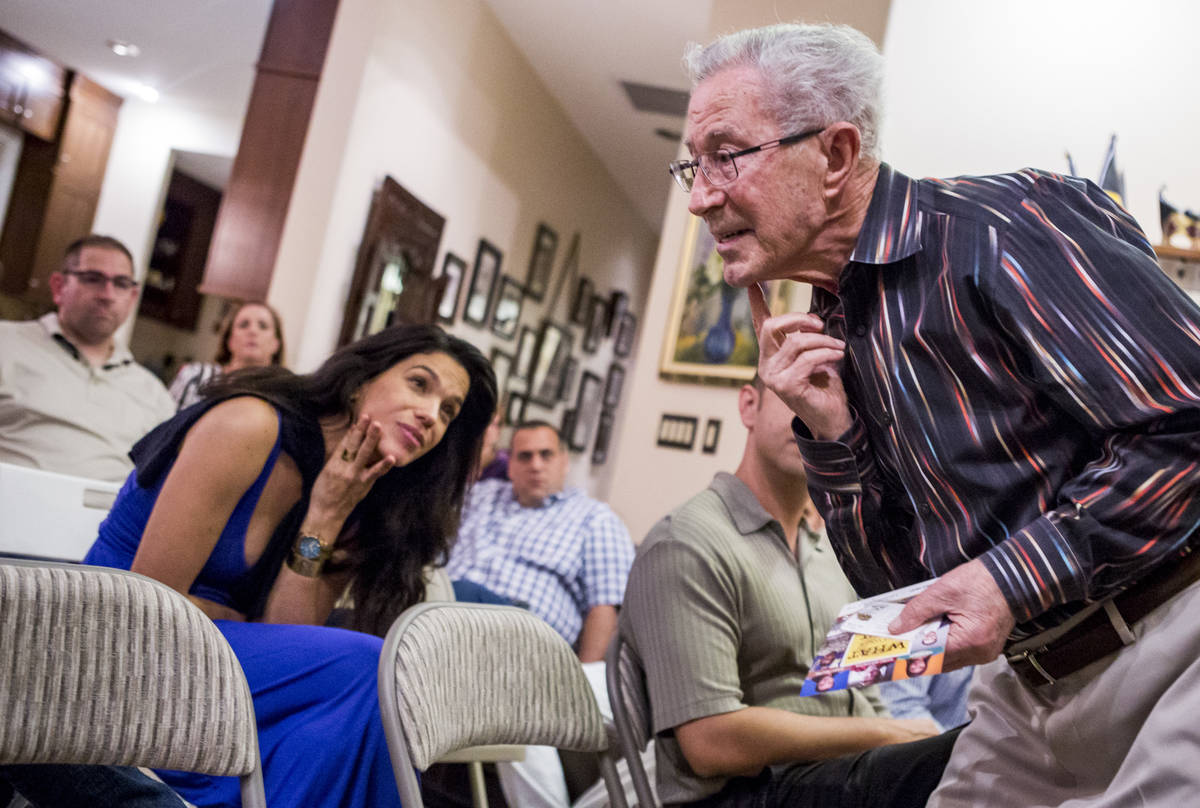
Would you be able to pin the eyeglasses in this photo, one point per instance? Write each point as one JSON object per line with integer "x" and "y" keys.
{"x": 719, "y": 167}
{"x": 94, "y": 279}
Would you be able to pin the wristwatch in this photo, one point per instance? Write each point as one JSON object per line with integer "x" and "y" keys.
{"x": 308, "y": 555}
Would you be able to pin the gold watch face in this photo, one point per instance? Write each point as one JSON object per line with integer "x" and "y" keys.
{"x": 309, "y": 547}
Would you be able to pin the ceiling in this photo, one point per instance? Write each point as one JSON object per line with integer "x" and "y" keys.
{"x": 201, "y": 53}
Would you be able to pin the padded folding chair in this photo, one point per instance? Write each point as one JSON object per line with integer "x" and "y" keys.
{"x": 457, "y": 675}
{"x": 104, "y": 666}
{"x": 630, "y": 704}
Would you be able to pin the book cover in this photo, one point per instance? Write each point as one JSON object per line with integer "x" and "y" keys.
{"x": 860, "y": 651}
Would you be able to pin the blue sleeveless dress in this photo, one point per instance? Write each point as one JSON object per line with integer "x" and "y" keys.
{"x": 314, "y": 688}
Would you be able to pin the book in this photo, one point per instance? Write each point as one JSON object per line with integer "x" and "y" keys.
{"x": 859, "y": 650}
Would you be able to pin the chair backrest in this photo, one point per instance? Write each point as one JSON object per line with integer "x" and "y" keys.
{"x": 50, "y": 515}
{"x": 104, "y": 666}
{"x": 455, "y": 675}
{"x": 630, "y": 704}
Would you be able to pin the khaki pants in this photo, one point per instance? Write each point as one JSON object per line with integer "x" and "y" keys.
{"x": 1122, "y": 732}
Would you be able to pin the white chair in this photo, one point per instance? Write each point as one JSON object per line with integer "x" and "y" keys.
{"x": 105, "y": 666}
{"x": 458, "y": 675}
{"x": 48, "y": 515}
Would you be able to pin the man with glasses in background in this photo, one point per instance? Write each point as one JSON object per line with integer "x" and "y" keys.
{"x": 72, "y": 400}
{"x": 996, "y": 386}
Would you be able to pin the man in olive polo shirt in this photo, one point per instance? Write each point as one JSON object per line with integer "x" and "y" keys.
{"x": 727, "y": 600}
{"x": 72, "y": 400}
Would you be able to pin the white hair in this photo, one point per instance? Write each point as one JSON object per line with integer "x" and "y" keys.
{"x": 815, "y": 74}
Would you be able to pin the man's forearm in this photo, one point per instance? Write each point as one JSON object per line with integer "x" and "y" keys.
{"x": 598, "y": 629}
{"x": 744, "y": 741}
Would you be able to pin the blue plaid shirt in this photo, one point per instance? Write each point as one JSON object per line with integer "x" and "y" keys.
{"x": 563, "y": 558}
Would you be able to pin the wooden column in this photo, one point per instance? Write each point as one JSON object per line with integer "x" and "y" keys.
{"x": 250, "y": 222}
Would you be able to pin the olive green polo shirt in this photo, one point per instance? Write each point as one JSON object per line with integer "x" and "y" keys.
{"x": 724, "y": 617}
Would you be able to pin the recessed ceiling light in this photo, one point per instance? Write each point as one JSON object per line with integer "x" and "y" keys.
{"x": 122, "y": 48}
{"x": 145, "y": 92}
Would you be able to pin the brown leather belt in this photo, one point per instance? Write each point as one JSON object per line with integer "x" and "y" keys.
{"x": 1100, "y": 634}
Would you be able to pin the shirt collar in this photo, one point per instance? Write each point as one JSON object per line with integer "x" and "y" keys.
{"x": 551, "y": 499}
{"x": 892, "y": 228}
{"x": 747, "y": 513}
{"x": 120, "y": 354}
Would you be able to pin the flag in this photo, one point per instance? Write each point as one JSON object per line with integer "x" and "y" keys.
{"x": 1111, "y": 179}
{"x": 1167, "y": 216}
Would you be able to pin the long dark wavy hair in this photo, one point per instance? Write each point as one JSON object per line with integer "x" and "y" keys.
{"x": 410, "y": 517}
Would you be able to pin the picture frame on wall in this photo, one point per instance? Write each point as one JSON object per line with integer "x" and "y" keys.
{"x": 597, "y": 324}
{"x": 603, "y": 437}
{"x": 588, "y": 404}
{"x": 568, "y": 378}
{"x": 553, "y": 351}
{"x": 514, "y": 408}
{"x": 541, "y": 262}
{"x": 483, "y": 283}
{"x": 568, "y": 424}
{"x": 613, "y": 386}
{"x": 526, "y": 346}
{"x": 710, "y": 335}
{"x": 618, "y": 304}
{"x": 581, "y": 302}
{"x": 626, "y": 331}
{"x": 454, "y": 268}
{"x": 502, "y": 365}
{"x": 507, "y": 311}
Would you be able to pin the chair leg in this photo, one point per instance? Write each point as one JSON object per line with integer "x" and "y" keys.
{"x": 612, "y": 780}
{"x": 478, "y": 787}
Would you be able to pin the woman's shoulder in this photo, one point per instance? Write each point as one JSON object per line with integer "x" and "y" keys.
{"x": 240, "y": 419}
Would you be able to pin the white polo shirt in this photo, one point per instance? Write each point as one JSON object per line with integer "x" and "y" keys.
{"x": 60, "y": 413}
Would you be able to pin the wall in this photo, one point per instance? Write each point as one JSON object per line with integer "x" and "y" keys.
{"x": 991, "y": 87}
{"x": 438, "y": 97}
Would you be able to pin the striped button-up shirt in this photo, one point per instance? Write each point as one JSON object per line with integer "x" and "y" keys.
{"x": 563, "y": 558}
{"x": 1024, "y": 383}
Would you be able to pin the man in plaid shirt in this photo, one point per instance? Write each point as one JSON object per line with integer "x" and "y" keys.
{"x": 541, "y": 544}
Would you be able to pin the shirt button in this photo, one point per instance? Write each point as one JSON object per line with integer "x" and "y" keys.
{"x": 924, "y": 509}
{"x": 860, "y": 330}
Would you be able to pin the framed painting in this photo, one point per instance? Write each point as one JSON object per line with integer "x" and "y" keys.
{"x": 603, "y": 437}
{"x": 453, "y": 268}
{"x": 514, "y": 408}
{"x": 508, "y": 308}
{"x": 597, "y": 324}
{"x": 710, "y": 334}
{"x": 626, "y": 331}
{"x": 618, "y": 304}
{"x": 581, "y": 302}
{"x": 613, "y": 385}
{"x": 588, "y": 404}
{"x": 502, "y": 364}
{"x": 568, "y": 378}
{"x": 483, "y": 283}
{"x": 550, "y": 360}
{"x": 541, "y": 262}
{"x": 525, "y": 348}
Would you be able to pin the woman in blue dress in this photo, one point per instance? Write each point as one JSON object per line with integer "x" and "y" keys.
{"x": 264, "y": 501}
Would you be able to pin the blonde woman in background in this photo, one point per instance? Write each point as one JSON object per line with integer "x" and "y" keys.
{"x": 252, "y": 337}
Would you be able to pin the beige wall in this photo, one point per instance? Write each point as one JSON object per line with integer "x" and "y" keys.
{"x": 437, "y": 96}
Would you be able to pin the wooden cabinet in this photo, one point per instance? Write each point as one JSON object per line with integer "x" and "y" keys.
{"x": 31, "y": 89}
{"x": 55, "y": 192}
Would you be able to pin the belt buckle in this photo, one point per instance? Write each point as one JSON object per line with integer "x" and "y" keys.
{"x": 1030, "y": 656}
